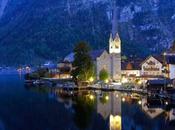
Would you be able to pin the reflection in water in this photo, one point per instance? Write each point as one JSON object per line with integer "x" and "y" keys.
{"x": 113, "y": 110}
{"x": 109, "y": 106}
{"x": 115, "y": 122}
{"x": 84, "y": 108}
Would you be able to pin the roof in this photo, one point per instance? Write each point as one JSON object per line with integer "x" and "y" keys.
{"x": 94, "y": 55}
{"x": 69, "y": 57}
{"x": 49, "y": 65}
{"x": 160, "y": 58}
{"x": 97, "y": 53}
{"x": 170, "y": 59}
{"x": 157, "y": 82}
{"x": 157, "y": 57}
{"x": 131, "y": 65}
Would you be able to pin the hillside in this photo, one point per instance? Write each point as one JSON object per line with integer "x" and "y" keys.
{"x": 32, "y": 31}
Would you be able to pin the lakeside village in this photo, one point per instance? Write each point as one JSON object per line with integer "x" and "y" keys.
{"x": 107, "y": 70}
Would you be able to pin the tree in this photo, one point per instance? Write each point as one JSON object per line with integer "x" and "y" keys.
{"x": 82, "y": 64}
{"x": 104, "y": 75}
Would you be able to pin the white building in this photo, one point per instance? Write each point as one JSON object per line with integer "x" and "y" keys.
{"x": 152, "y": 67}
{"x": 131, "y": 69}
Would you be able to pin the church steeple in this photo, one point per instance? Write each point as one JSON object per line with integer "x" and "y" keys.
{"x": 115, "y": 12}
{"x": 114, "y": 44}
{"x": 114, "y": 40}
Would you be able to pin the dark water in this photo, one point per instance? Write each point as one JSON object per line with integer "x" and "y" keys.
{"x": 41, "y": 108}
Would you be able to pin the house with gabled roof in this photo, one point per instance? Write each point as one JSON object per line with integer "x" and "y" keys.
{"x": 152, "y": 67}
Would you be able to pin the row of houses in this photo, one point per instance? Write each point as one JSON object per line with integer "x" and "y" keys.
{"x": 152, "y": 67}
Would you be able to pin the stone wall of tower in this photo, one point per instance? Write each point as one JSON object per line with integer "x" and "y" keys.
{"x": 115, "y": 66}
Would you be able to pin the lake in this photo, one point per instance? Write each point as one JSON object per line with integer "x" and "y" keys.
{"x": 25, "y": 107}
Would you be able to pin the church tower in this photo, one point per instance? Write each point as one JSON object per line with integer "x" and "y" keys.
{"x": 114, "y": 44}
{"x": 115, "y": 47}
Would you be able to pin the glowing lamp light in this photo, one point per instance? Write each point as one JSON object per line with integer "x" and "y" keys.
{"x": 106, "y": 81}
{"x": 164, "y": 53}
{"x": 123, "y": 99}
{"x": 124, "y": 80}
{"x": 166, "y": 103}
{"x": 91, "y": 79}
{"x": 91, "y": 97}
{"x": 139, "y": 82}
{"x": 139, "y": 102}
{"x": 107, "y": 97}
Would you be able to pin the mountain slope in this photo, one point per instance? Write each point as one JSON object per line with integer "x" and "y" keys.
{"x": 32, "y": 31}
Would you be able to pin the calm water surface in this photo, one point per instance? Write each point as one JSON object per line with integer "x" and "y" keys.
{"x": 41, "y": 108}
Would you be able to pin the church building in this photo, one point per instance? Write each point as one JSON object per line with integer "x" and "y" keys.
{"x": 110, "y": 60}
{"x": 103, "y": 59}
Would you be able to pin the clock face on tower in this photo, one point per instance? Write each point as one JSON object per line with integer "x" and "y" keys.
{"x": 115, "y": 44}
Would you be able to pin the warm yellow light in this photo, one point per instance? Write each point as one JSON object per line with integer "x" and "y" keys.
{"x": 91, "y": 79}
{"x": 115, "y": 122}
{"x": 139, "y": 102}
{"x": 124, "y": 80}
{"x": 107, "y": 97}
{"x": 139, "y": 82}
{"x": 91, "y": 97}
{"x": 106, "y": 81}
{"x": 123, "y": 99}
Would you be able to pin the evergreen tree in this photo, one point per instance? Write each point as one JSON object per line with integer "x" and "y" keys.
{"x": 83, "y": 64}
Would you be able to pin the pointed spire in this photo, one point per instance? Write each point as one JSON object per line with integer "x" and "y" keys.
{"x": 115, "y": 20}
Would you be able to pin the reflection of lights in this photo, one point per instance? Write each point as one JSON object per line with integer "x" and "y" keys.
{"x": 107, "y": 97}
{"x": 139, "y": 102}
{"x": 116, "y": 95}
{"x": 131, "y": 95}
{"x": 91, "y": 79}
{"x": 19, "y": 70}
{"x": 27, "y": 68}
{"x": 115, "y": 122}
{"x": 91, "y": 97}
{"x": 123, "y": 99}
{"x": 166, "y": 103}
